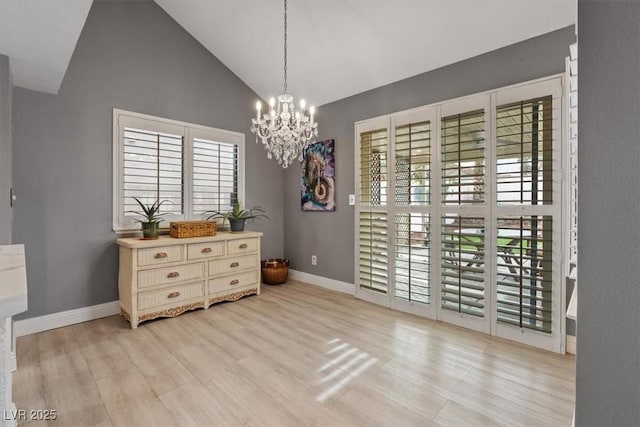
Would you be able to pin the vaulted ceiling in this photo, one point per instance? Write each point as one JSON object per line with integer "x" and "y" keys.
{"x": 336, "y": 48}
{"x": 39, "y": 38}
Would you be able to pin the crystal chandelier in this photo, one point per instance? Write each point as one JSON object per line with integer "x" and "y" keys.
{"x": 284, "y": 131}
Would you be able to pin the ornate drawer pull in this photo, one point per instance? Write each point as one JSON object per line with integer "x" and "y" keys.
{"x": 160, "y": 255}
{"x": 243, "y": 246}
{"x": 234, "y": 282}
{"x": 234, "y": 264}
{"x": 206, "y": 250}
{"x": 173, "y": 295}
{"x": 173, "y": 274}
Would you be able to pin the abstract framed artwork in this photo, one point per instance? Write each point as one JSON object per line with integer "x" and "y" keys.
{"x": 318, "y": 177}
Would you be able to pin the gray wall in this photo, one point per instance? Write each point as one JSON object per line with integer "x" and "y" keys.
{"x": 5, "y": 150}
{"x": 608, "y": 359}
{"x": 130, "y": 55}
{"x": 330, "y": 236}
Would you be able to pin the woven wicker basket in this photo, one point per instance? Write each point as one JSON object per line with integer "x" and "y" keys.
{"x": 275, "y": 271}
{"x": 182, "y": 229}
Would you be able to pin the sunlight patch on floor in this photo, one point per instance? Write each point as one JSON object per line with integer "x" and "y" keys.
{"x": 348, "y": 364}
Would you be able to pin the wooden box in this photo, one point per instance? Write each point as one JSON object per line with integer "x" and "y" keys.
{"x": 182, "y": 229}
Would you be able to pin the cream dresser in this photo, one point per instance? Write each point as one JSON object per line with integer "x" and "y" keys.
{"x": 167, "y": 276}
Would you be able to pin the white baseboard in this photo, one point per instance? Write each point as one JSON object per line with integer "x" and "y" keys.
{"x": 571, "y": 344}
{"x": 325, "y": 282}
{"x": 65, "y": 318}
{"x": 85, "y": 314}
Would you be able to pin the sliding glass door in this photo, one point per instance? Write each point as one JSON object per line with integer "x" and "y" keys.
{"x": 412, "y": 209}
{"x": 465, "y": 135}
{"x": 458, "y": 212}
{"x": 373, "y": 251}
{"x": 527, "y": 215}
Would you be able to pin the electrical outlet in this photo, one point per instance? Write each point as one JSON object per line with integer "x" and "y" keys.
{"x": 352, "y": 199}
{"x": 314, "y": 260}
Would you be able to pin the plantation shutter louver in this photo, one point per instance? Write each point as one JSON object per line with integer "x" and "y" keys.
{"x": 373, "y": 253}
{"x": 524, "y": 152}
{"x": 572, "y": 89}
{"x": 413, "y": 163}
{"x": 152, "y": 170}
{"x": 413, "y": 257}
{"x": 463, "y": 158}
{"x": 524, "y": 284}
{"x": 373, "y": 167}
{"x": 215, "y": 175}
{"x": 462, "y": 264}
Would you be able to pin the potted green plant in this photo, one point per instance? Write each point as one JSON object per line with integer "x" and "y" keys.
{"x": 151, "y": 218}
{"x": 237, "y": 216}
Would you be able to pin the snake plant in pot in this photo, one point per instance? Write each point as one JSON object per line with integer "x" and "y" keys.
{"x": 151, "y": 218}
{"x": 237, "y": 216}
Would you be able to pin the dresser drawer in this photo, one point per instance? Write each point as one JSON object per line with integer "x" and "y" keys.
{"x": 205, "y": 250}
{"x": 240, "y": 246}
{"x": 233, "y": 281}
{"x": 165, "y": 275}
{"x": 159, "y": 255}
{"x": 229, "y": 265}
{"x": 171, "y": 295}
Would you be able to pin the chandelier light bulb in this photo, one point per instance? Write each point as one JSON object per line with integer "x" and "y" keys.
{"x": 302, "y": 104}
{"x": 258, "y": 107}
{"x": 272, "y": 102}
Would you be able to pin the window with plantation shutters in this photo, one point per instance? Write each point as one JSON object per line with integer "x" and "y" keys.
{"x": 373, "y": 252}
{"x": 524, "y": 152}
{"x": 463, "y": 158}
{"x": 190, "y": 168}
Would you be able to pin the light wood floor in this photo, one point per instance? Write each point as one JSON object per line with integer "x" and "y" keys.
{"x": 295, "y": 355}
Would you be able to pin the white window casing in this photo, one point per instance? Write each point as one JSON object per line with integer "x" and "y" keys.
{"x": 194, "y": 168}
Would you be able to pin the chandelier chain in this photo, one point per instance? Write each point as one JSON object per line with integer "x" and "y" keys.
{"x": 285, "y": 46}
